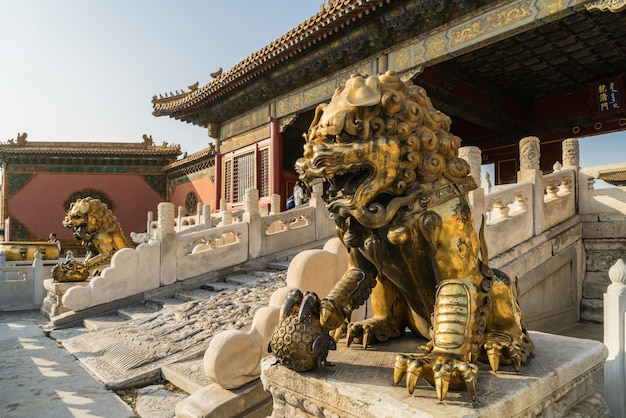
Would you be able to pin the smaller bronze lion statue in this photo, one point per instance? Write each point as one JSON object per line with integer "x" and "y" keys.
{"x": 70, "y": 271}
{"x": 94, "y": 224}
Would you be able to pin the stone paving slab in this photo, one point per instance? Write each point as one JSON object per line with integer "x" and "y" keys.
{"x": 279, "y": 265}
{"x": 102, "y": 322}
{"x": 195, "y": 294}
{"x": 159, "y": 303}
{"x": 220, "y": 286}
{"x": 132, "y": 354}
{"x": 157, "y": 402}
{"x": 188, "y": 375}
{"x": 136, "y": 310}
{"x": 240, "y": 279}
{"x": 39, "y": 379}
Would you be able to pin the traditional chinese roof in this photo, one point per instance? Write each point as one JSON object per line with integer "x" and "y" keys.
{"x": 89, "y": 149}
{"x": 105, "y": 155}
{"x": 371, "y": 34}
{"x": 186, "y": 160}
{"x": 502, "y": 69}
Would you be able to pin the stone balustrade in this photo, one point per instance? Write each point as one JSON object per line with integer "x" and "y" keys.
{"x": 615, "y": 340}
{"x": 182, "y": 247}
{"x": 21, "y": 284}
{"x": 516, "y": 216}
{"x": 507, "y": 209}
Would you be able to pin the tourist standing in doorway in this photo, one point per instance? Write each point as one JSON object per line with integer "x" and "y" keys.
{"x": 300, "y": 195}
{"x": 53, "y": 238}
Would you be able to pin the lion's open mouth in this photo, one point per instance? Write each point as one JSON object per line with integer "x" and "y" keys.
{"x": 345, "y": 185}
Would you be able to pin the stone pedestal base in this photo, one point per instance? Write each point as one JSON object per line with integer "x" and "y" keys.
{"x": 556, "y": 381}
{"x": 52, "y": 305}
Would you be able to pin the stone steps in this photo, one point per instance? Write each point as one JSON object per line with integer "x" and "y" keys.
{"x": 203, "y": 291}
{"x": 186, "y": 376}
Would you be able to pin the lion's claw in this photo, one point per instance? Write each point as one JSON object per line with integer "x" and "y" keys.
{"x": 413, "y": 373}
{"x": 494, "y": 352}
{"x": 501, "y": 347}
{"x": 469, "y": 373}
{"x": 350, "y": 335}
{"x": 399, "y": 368}
{"x": 440, "y": 370}
{"x": 366, "y": 338}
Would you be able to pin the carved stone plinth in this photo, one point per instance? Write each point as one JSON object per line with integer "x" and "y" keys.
{"x": 555, "y": 382}
{"x": 52, "y": 305}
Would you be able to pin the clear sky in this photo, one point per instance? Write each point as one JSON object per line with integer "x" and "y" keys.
{"x": 86, "y": 70}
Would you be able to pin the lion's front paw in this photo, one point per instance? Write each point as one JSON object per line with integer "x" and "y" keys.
{"x": 442, "y": 370}
{"x": 376, "y": 327}
{"x": 502, "y": 347}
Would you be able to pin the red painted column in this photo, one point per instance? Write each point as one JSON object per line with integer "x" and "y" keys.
{"x": 218, "y": 178}
{"x": 276, "y": 160}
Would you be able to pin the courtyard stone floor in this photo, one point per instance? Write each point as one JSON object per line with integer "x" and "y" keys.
{"x": 40, "y": 379}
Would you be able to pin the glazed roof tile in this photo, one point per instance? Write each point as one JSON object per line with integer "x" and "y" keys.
{"x": 89, "y": 148}
{"x": 189, "y": 159}
{"x": 330, "y": 19}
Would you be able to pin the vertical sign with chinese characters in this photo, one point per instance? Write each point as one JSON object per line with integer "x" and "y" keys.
{"x": 607, "y": 95}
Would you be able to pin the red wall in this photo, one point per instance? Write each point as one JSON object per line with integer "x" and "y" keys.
{"x": 204, "y": 188}
{"x": 39, "y": 204}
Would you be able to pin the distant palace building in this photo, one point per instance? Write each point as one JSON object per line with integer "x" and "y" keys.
{"x": 502, "y": 70}
{"x": 41, "y": 179}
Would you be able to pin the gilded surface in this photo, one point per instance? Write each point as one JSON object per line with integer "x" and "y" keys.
{"x": 397, "y": 191}
{"x": 21, "y": 251}
{"x": 93, "y": 223}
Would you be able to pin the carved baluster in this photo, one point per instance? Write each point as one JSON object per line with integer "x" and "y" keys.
{"x": 552, "y": 190}
{"x": 500, "y": 209}
{"x": 566, "y": 186}
{"x": 520, "y": 202}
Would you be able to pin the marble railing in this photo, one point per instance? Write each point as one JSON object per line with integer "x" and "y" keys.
{"x": 179, "y": 248}
{"x": 615, "y": 340}
{"x": 21, "y": 284}
{"x": 508, "y": 208}
{"x": 603, "y": 200}
{"x": 194, "y": 245}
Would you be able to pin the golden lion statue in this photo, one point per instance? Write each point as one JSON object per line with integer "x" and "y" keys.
{"x": 397, "y": 191}
{"x": 94, "y": 224}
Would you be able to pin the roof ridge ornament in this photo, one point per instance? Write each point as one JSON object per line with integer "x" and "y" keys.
{"x": 613, "y": 6}
{"x": 21, "y": 139}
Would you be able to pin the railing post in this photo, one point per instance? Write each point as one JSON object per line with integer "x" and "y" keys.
{"x": 252, "y": 216}
{"x": 206, "y": 216}
{"x": 225, "y": 214}
{"x": 178, "y": 226}
{"x": 3, "y": 263}
{"x": 529, "y": 172}
{"x": 324, "y": 227}
{"x": 149, "y": 225}
{"x": 571, "y": 160}
{"x": 274, "y": 204}
{"x": 614, "y": 339}
{"x": 476, "y": 197}
{"x": 166, "y": 235}
{"x": 38, "y": 289}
